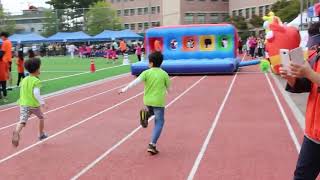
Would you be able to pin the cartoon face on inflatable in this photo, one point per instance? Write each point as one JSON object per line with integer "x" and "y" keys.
{"x": 280, "y": 37}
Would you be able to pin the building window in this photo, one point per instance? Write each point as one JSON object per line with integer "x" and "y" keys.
{"x": 153, "y": 10}
{"x": 201, "y": 18}
{"x": 140, "y": 11}
{"x": 126, "y": 12}
{"x": 261, "y": 11}
{"x": 234, "y": 13}
{"x": 126, "y": 26}
{"x": 140, "y": 26}
{"x": 253, "y": 11}
{"x": 133, "y": 26}
{"x": 146, "y": 10}
{"x": 225, "y": 0}
{"x": 132, "y": 12}
{"x": 118, "y": 1}
{"x": 247, "y": 13}
{"x": 158, "y": 9}
{"x": 267, "y": 9}
{"x": 202, "y": 0}
{"x": 189, "y": 18}
{"x": 119, "y": 12}
{"x": 214, "y": 17}
{"x": 155, "y": 24}
{"x": 240, "y": 13}
{"x": 214, "y": 0}
{"x": 112, "y": 1}
{"x": 146, "y": 25}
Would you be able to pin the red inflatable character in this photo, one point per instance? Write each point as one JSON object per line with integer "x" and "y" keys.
{"x": 280, "y": 37}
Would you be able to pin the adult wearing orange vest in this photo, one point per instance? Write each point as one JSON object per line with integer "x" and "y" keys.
{"x": 7, "y": 50}
{"x": 306, "y": 78}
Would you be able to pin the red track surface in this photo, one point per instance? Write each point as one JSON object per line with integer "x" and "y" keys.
{"x": 250, "y": 140}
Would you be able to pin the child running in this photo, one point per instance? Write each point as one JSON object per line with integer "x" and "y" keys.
{"x": 4, "y": 76}
{"x": 157, "y": 84}
{"x": 30, "y": 100}
{"x": 20, "y": 62}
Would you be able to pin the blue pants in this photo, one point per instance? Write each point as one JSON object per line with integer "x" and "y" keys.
{"x": 308, "y": 166}
{"x": 158, "y": 112}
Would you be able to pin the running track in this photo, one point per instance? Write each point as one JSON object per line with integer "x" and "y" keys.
{"x": 217, "y": 127}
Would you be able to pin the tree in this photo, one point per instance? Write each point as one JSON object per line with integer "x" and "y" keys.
{"x": 71, "y": 13}
{"x": 50, "y": 23}
{"x": 6, "y": 25}
{"x": 239, "y": 22}
{"x": 101, "y": 17}
{"x": 287, "y": 10}
{"x": 256, "y": 21}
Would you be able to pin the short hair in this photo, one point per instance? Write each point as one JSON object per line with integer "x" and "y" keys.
{"x": 32, "y": 65}
{"x": 20, "y": 55}
{"x": 156, "y": 58}
{"x": 5, "y": 34}
{"x": 314, "y": 29}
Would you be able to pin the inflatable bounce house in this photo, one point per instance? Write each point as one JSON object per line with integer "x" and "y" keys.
{"x": 279, "y": 36}
{"x": 193, "y": 49}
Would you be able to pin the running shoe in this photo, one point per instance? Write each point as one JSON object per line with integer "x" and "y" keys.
{"x": 43, "y": 136}
{"x": 152, "y": 149}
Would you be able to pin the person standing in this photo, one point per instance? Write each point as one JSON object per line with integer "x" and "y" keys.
{"x": 72, "y": 48}
{"x": 7, "y": 57}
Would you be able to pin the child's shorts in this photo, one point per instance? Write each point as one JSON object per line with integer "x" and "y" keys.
{"x": 26, "y": 112}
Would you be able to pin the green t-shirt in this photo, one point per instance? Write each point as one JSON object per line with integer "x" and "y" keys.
{"x": 156, "y": 84}
{"x": 26, "y": 92}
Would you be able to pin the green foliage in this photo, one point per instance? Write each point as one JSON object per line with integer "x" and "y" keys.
{"x": 101, "y": 17}
{"x": 6, "y": 25}
{"x": 50, "y": 24}
{"x": 71, "y": 4}
{"x": 70, "y": 13}
{"x": 239, "y": 22}
{"x": 256, "y": 21}
{"x": 287, "y": 10}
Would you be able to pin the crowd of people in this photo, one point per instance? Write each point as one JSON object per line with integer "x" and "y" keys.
{"x": 110, "y": 50}
{"x": 254, "y": 46}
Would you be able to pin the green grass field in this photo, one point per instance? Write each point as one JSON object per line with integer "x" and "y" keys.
{"x": 62, "y": 67}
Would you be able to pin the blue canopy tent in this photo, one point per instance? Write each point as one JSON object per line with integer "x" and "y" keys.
{"x": 27, "y": 38}
{"x": 127, "y": 34}
{"x": 105, "y": 35}
{"x": 70, "y": 37}
{"x": 112, "y": 35}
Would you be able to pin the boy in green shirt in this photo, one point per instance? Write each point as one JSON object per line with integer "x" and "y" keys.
{"x": 157, "y": 83}
{"x": 30, "y": 100}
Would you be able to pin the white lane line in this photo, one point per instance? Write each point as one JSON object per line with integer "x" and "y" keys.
{"x": 63, "y": 77}
{"x": 294, "y": 108}
{"x": 74, "y": 89}
{"x": 70, "y": 104}
{"x": 106, "y": 153}
{"x": 285, "y": 117}
{"x": 210, "y": 133}
{"x": 71, "y": 127}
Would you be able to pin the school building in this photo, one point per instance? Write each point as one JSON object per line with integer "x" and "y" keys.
{"x": 139, "y": 15}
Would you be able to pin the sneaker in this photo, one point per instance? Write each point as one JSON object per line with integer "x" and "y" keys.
{"x": 152, "y": 149}
{"x": 144, "y": 117}
{"x": 15, "y": 139}
{"x": 5, "y": 100}
{"x": 43, "y": 136}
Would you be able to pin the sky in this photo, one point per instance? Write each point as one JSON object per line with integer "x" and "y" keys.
{"x": 16, "y": 6}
